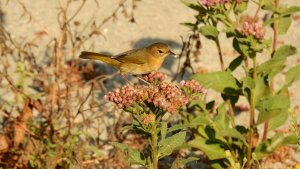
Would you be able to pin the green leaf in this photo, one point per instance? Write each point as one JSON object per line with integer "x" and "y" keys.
{"x": 197, "y": 103}
{"x": 241, "y": 7}
{"x": 292, "y": 75}
{"x": 271, "y": 67}
{"x": 235, "y": 63}
{"x": 243, "y": 46}
{"x": 284, "y": 52}
{"x": 163, "y": 130}
{"x": 200, "y": 120}
{"x": 179, "y": 127}
{"x": 209, "y": 31}
{"x": 217, "y": 164}
{"x": 221, "y": 81}
{"x": 213, "y": 151}
{"x": 260, "y": 85}
{"x": 278, "y": 120}
{"x": 284, "y": 24}
{"x": 271, "y": 106}
{"x": 135, "y": 156}
{"x": 193, "y": 4}
{"x": 221, "y": 120}
{"x": 291, "y": 10}
{"x": 180, "y": 163}
{"x": 268, "y": 5}
{"x": 168, "y": 145}
{"x": 284, "y": 13}
{"x": 261, "y": 89}
{"x": 270, "y": 145}
{"x": 202, "y": 131}
{"x": 190, "y": 25}
{"x": 276, "y": 64}
{"x": 231, "y": 132}
{"x": 248, "y": 82}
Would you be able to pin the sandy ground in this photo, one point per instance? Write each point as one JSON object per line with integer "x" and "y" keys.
{"x": 155, "y": 20}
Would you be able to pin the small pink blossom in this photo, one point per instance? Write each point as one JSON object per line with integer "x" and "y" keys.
{"x": 193, "y": 85}
{"x": 250, "y": 26}
{"x": 149, "y": 118}
{"x": 154, "y": 77}
{"x": 210, "y": 3}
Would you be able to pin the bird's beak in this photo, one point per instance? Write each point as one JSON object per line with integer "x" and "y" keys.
{"x": 172, "y": 53}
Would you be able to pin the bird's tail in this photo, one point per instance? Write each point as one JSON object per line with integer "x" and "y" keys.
{"x": 104, "y": 58}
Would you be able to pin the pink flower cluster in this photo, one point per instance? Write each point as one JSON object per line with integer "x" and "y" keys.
{"x": 167, "y": 97}
{"x": 210, "y": 3}
{"x": 250, "y": 26}
{"x": 125, "y": 96}
{"x": 154, "y": 76}
{"x": 193, "y": 85}
{"x": 164, "y": 95}
{"x": 149, "y": 118}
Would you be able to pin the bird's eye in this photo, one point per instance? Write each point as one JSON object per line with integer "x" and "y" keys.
{"x": 160, "y": 51}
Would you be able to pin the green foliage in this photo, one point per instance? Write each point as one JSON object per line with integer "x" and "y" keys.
{"x": 134, "y": 156}
{"x": 223, "y": 82}
{"x": 180, "y": 163}
{"x": 271, "y": 144}
{"x": 273, "y": 66}
{"x": 292, "y": 75}
{"x": 217, "y": 140}
{"x": 225, "y": 144}
{"x": 268, "y": 107}
{"x": 213, "y": 151}
{"x": 169, "y": 144}
{"x": 235, "y": 63}
{"x": 208, "y": 31}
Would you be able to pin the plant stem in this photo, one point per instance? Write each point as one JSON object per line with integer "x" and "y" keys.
{"x": 154, "y": 147}
{"x": 252, "y": 115}
{"x": 260, "y": 3}
{"x": 231, "y": 113}
{"x": 274, "y": 46}
{"x": 220, "y": 53}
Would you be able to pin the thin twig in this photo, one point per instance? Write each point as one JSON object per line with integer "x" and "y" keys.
{"x": 84, "y": 101}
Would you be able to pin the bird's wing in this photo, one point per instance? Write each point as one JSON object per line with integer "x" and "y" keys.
{"x": 136, "y": 56}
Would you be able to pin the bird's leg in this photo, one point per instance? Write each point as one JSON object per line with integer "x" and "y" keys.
{"x": 125, "y": 78}
{"x": 123, "y": 75}
{"x": 142, "y": 80}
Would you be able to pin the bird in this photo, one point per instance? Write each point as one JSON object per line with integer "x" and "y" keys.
{"x": 135, "y": 62}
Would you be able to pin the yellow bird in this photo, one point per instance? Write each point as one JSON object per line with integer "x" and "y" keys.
{"x": 136, "y": 61}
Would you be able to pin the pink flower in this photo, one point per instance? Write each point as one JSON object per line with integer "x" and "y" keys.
{"x": 154, "y": 77}
{"x": 250, "y": 26}
{"x": 149, "y": 118}
{"x": 210, "y": 3}
{"x": 193, "y": 85}
{"x": 164, "y": 95}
